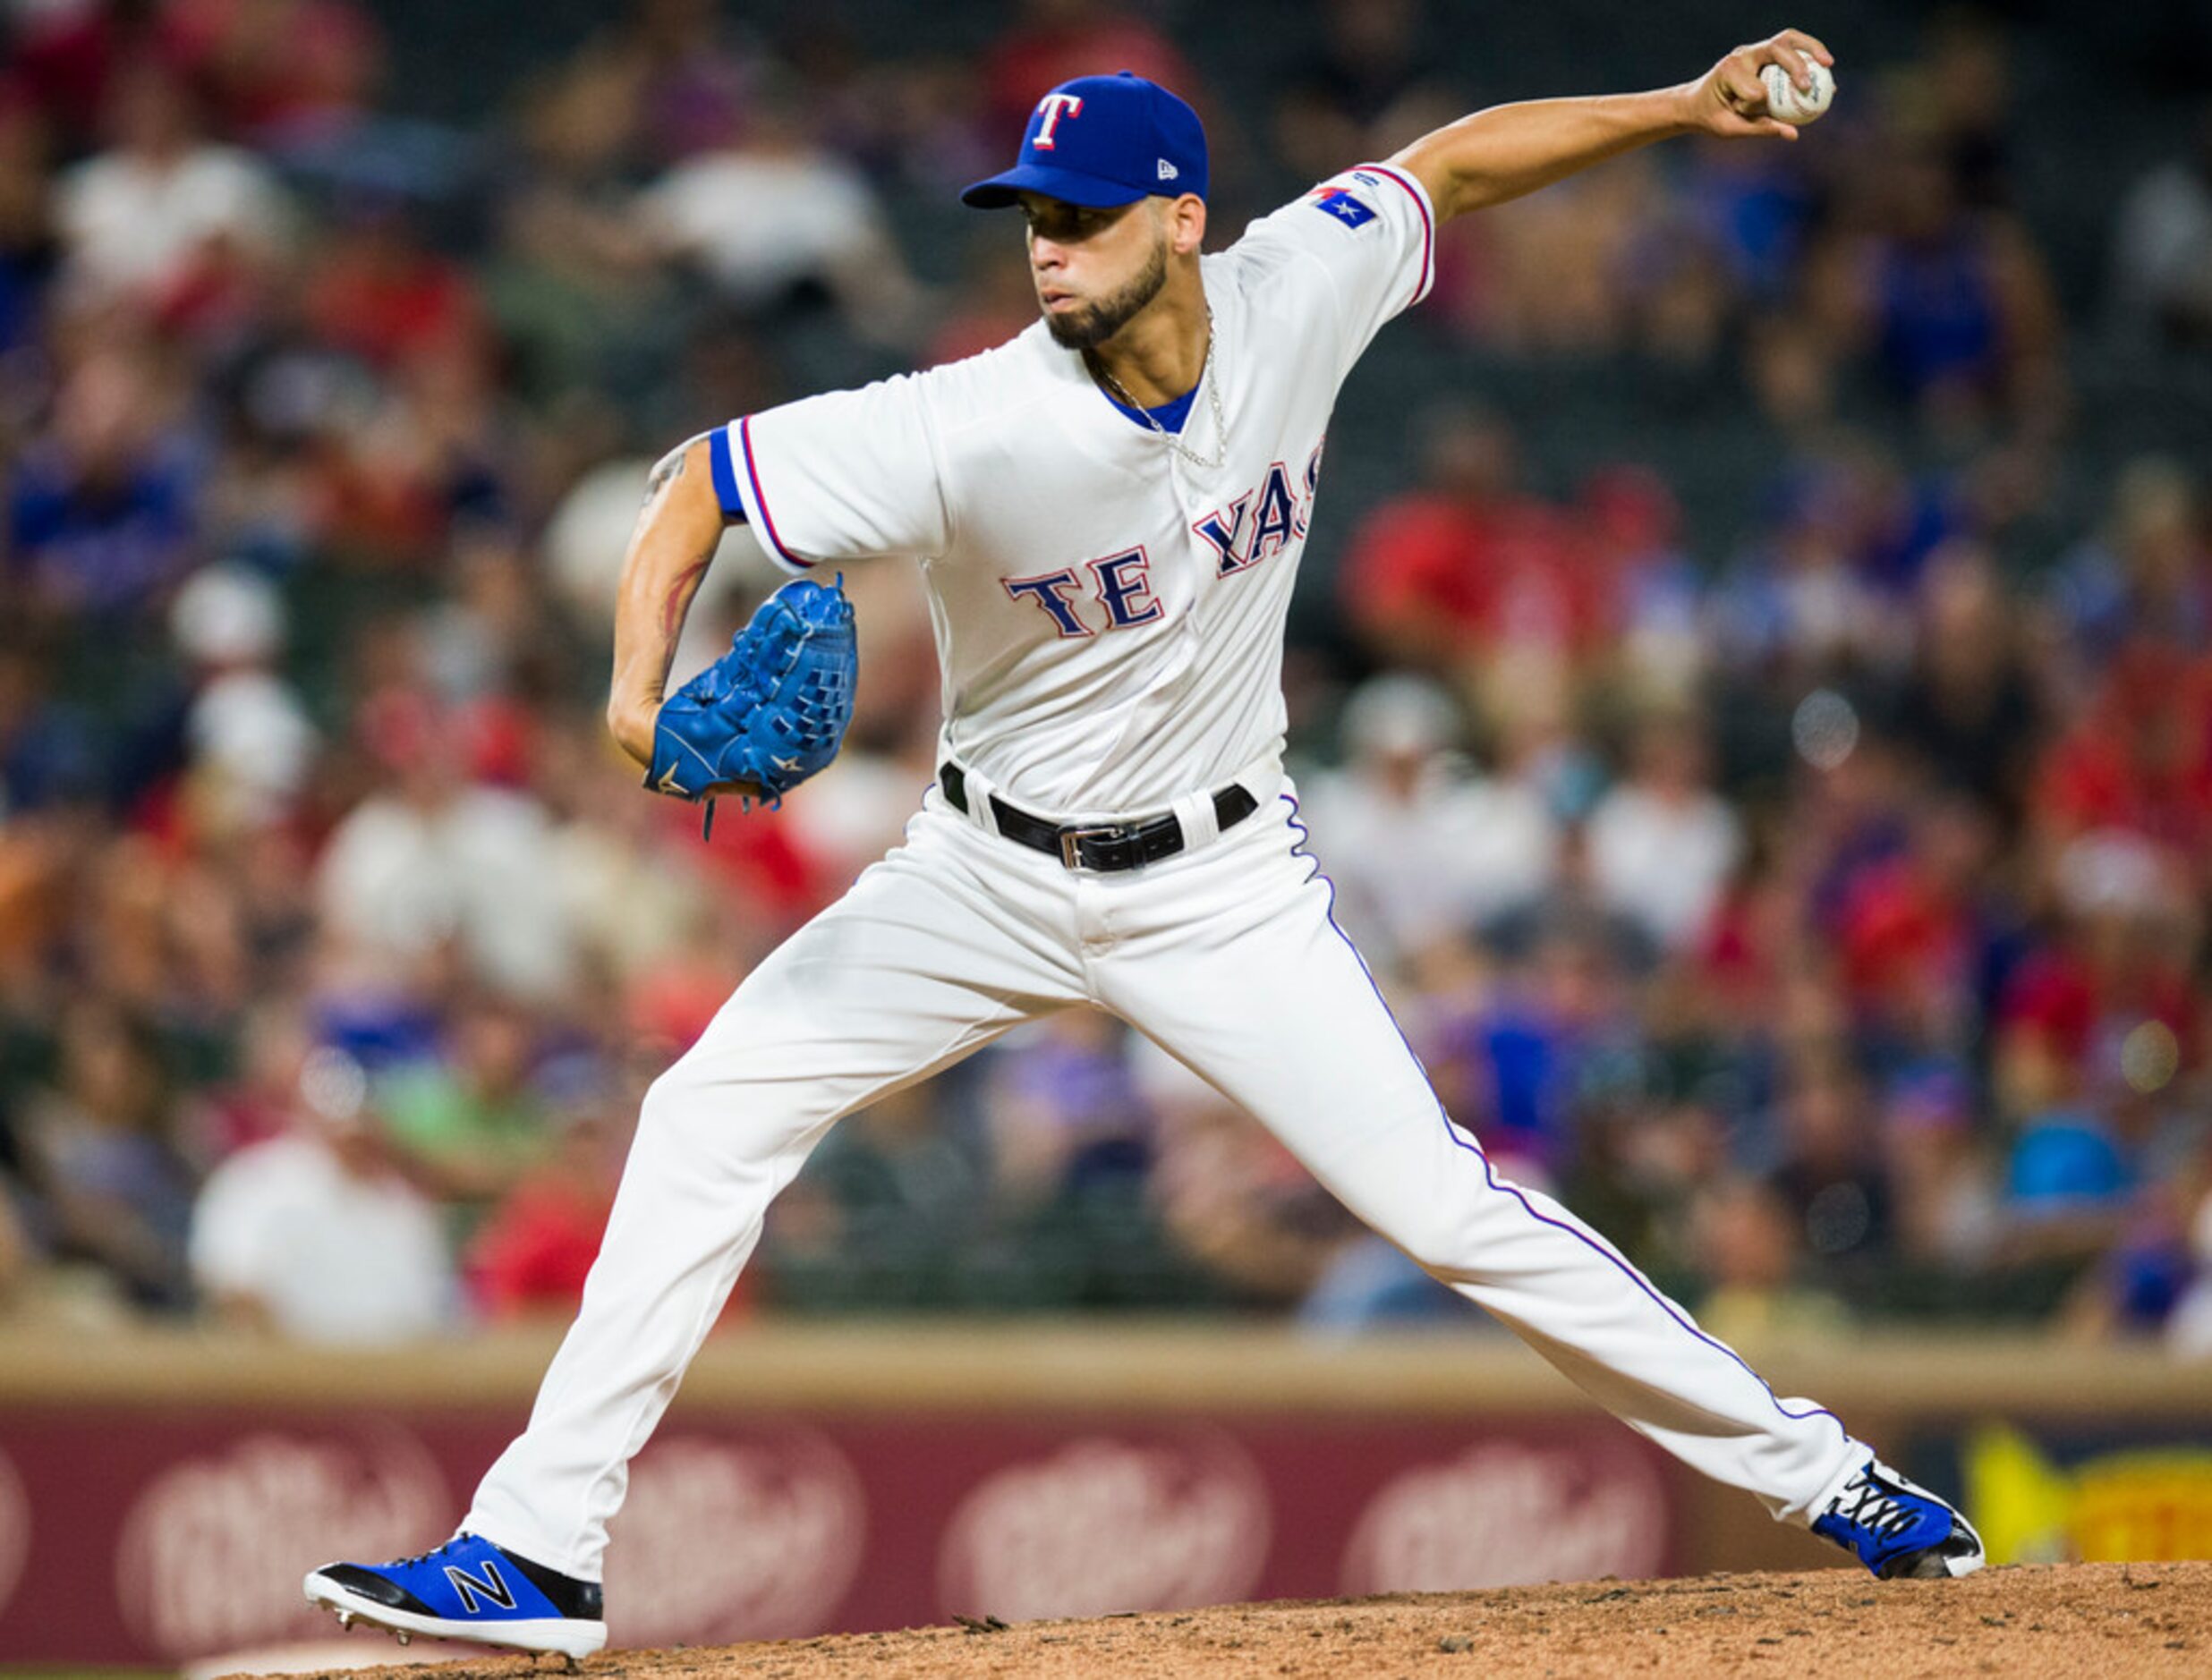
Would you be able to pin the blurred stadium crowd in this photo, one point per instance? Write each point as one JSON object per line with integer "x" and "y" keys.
{"x": 1807, "y": 879}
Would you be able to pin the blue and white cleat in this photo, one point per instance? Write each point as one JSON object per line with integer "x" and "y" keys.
{"x": 1899, "y": 1529}
{"x": 467, "y": 1589}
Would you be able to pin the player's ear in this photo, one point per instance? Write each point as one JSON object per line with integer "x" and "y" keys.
{"x": 1186, "y": 223}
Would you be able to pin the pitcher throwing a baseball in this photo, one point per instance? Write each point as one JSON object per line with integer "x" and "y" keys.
{"x": 1108, "y": 511}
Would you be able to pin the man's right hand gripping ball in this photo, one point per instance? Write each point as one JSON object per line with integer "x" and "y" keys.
{"x": 771, "y": 711}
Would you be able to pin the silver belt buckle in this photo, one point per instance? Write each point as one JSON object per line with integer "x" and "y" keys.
{"x": 1070, "y": 838}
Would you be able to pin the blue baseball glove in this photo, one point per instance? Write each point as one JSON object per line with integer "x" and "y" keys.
{"x": 771, "y": 711}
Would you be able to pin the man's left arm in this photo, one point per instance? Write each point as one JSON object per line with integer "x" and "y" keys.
{"x": 1512, "y": 149}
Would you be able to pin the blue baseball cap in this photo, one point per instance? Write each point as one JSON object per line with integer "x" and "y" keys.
{"x": 1103, "y": 141}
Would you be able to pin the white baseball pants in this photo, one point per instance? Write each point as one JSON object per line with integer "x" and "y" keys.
{"x": 1226, "y": 956}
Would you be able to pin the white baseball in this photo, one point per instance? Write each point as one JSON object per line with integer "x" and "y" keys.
{"x": 1786, "y": 102}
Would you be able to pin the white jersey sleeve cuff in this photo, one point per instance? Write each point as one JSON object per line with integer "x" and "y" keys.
{"x": 1419, "y": 194}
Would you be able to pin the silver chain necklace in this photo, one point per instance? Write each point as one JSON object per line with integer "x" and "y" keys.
{"x": 1214, "y": 401}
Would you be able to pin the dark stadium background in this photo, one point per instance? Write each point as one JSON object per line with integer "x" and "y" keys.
{"x": 1749, "y": 679}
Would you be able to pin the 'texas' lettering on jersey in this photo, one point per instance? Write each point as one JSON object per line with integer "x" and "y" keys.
{"x": 1261, "y": 522}
{"x": 1253, "y": 527}
{"x": 1120, "y": 582}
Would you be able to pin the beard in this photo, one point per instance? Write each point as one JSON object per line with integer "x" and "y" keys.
{"x": 1090, "y": 326}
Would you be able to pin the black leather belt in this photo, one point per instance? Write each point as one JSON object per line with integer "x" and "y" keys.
{"x": 1108, "y": 846}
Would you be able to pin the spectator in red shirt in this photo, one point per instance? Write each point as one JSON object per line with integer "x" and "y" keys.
{"x": 2139, "y": 758}
{"x": 1468, "y": 563}
{"x": 381, "y": 294}
{"x": 64, "y": 58}
{"x": 1059, "y": 40}
{"x": 1909, "y": 936}
{"x": 273, "y": 67}
{"x": 2120, "y": 960}
{"x": 533, "y": 1249}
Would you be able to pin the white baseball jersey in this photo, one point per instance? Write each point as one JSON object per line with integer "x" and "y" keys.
{"x": 1108, "y": 614}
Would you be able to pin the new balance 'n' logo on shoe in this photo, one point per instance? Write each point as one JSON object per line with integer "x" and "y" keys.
{"x": 490, "y": 1587}
{"x": 1898, "y": 1529}
{"x": 467, "y": 1589}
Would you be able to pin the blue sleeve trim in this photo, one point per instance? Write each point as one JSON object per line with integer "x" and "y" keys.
{"x": 726, "y": 476}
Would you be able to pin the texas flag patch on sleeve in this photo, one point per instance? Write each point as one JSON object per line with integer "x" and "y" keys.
{"x": 1339, "y": 202}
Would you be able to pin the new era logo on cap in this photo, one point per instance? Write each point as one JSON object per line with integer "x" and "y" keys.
{"x": 1103, "y": 141}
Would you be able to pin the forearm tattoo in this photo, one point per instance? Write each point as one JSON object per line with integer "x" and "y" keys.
{"x": 671, "y": 466}
{"x": 667, "y": 471}
{"x": 680, "y": 591}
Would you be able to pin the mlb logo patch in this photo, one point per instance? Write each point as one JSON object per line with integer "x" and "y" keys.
{"x": 1338, "y": 202}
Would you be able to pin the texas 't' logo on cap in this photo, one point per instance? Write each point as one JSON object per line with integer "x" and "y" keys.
{"x": 1103, "y": 141}
{"x": 1049, "y": 110}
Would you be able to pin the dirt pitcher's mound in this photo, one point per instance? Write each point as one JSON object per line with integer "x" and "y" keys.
{"x": 2089, "y": 1619}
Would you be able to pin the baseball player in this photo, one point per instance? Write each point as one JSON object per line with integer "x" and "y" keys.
{"x": 1108, "y": 511}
